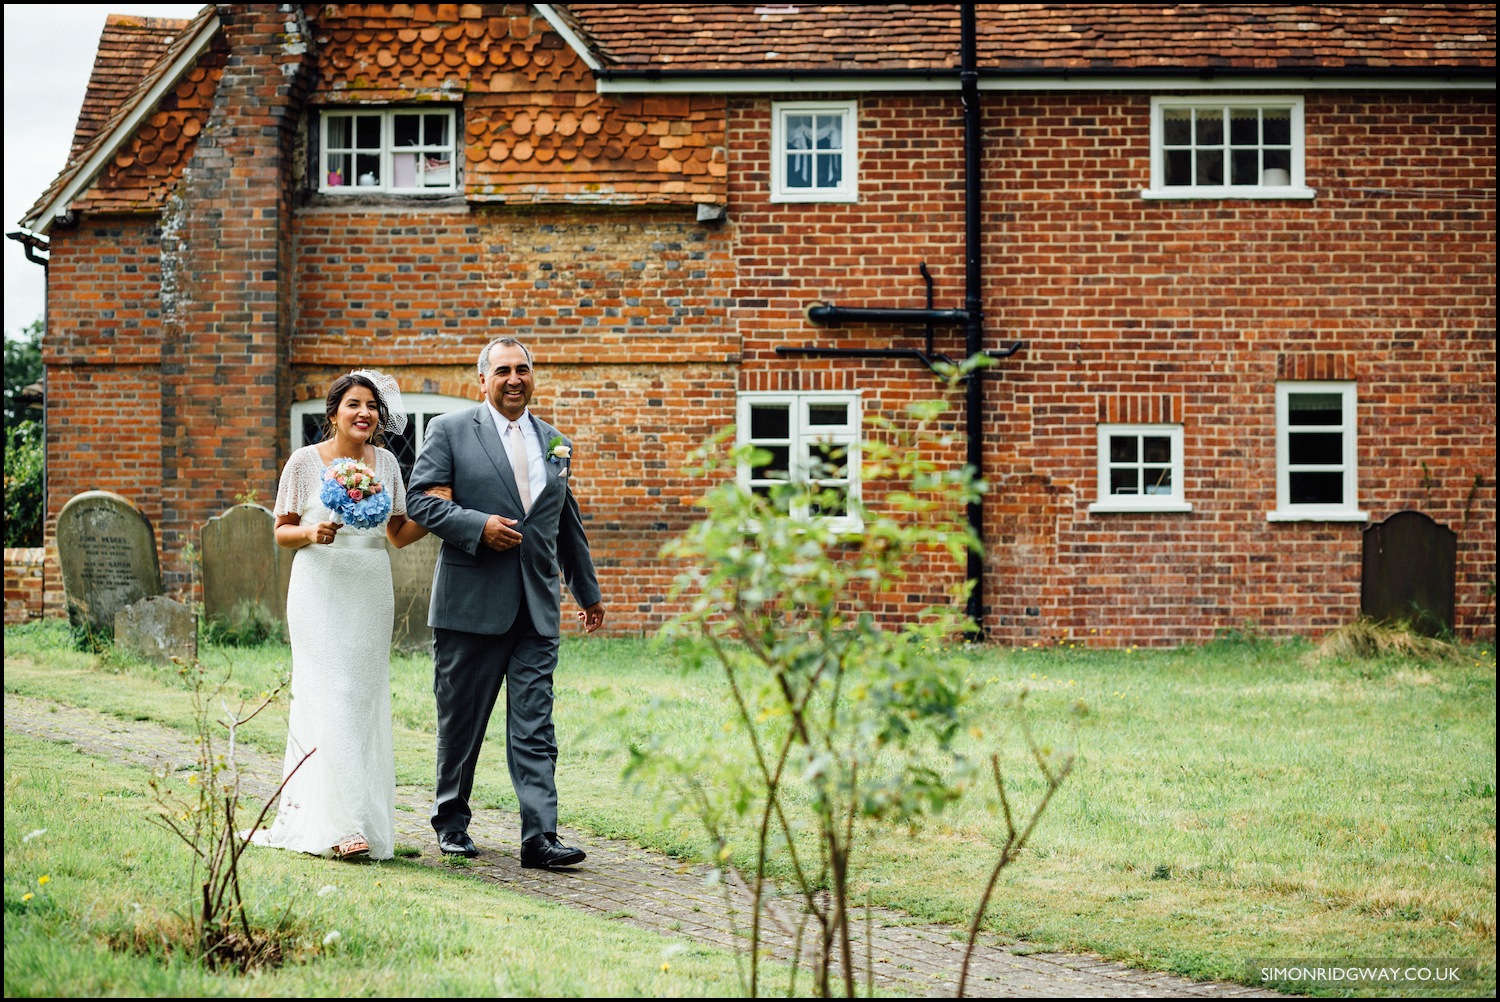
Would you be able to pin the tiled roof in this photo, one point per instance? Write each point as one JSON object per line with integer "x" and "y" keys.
{"x": 143, "y": 166}
{"x": 1040, "y": 37}
{"x": 535, "y": 128}
{"x": 128, "y": 47}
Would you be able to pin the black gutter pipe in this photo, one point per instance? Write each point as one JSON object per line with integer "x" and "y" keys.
{"x": 973, "y": 300}
{"x": 1479, "y": 74}
{"x": 827, "y": 313}
{"x": 32, "y": 243}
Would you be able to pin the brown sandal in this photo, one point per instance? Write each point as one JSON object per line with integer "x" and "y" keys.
{"x": 353, "y": 847}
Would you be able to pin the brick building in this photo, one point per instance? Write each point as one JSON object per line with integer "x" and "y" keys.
{"x": 1245, "y": 256}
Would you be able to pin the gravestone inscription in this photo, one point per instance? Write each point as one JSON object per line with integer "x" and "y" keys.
{"x": 108, "y": 556}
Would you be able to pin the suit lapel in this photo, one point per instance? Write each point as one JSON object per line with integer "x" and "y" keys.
{"x": 545, "y": 433}
{"x": 489, "y": 441}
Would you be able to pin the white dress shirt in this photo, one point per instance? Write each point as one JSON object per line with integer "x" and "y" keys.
{"x": 534, "y": 457}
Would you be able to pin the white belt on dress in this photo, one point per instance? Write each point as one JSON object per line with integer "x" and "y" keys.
{"x": 360, "y": 542}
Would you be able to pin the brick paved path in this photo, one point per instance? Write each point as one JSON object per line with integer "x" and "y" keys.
{"x": 625, "y": 883}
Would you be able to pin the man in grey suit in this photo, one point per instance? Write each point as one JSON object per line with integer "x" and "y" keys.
{"x": 510, "y": 527}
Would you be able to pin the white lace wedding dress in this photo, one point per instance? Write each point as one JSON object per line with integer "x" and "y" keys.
{"x": 339, "y": 613}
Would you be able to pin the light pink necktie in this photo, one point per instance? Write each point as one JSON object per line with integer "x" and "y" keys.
{"x": 520, "y": 465}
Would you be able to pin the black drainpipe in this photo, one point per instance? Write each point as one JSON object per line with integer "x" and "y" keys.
{"x": 973, "y": 297}
{"x": 971, "y": 316}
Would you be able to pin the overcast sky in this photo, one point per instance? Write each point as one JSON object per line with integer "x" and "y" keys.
{"x": 49, "y": 53}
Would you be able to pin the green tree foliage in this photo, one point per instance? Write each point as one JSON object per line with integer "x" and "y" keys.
{"x": 846, "y": 719}
{"x": 24, "y": 448}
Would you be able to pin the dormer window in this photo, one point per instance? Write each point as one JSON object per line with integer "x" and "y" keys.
{"x": 405, "y": 151}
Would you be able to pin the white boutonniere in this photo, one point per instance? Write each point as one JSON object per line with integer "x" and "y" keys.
{"x": 558, "y": 451}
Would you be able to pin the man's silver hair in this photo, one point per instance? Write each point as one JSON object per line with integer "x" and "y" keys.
{"x": 484, "y": 356}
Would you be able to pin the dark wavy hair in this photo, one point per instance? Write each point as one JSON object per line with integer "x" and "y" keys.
{"x": 343, "y": 385}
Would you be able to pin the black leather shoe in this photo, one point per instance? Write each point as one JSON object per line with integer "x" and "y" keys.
{"x": 542, "y": 852}
{"x": 457, "y": 844}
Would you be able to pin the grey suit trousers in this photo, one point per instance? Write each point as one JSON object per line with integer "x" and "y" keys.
{"x": 469, "y": 671}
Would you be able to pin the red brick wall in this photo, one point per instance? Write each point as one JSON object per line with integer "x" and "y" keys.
{"x": 24, "y": 583}
{"x": 646, "y": 324}
{"x": 1188, "y": 311}
{"x": 624, "y": 311}
{"x": 102, "y": 353}
{"x": 228, "y": 256}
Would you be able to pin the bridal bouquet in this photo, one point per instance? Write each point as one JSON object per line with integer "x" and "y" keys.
{"x": 351, "y": 490}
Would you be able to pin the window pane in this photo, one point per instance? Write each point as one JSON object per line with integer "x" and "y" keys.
{"x": 1315, "y": 448}
{"x": 828, "y": 414}
{"x": 1315, "y": 408}
{"x": 1210, "y": 167}
{"x": 367, "y": 167}
{"x": 1279, "y": 160}
{"x": 799, "y": 170}
{"x": 1278, "y": 127}
{"x": 403, "y": 170}
{"x": 779, "y": 467}
{"x": 406, "y": 130}
{"x": 830, "y": 501}
{"x": 312, "y": 429}
{"x": 1124, "y": 448}
{"x": 1124, "y": 482}
{"x": 1177, "y": 126}
{"x": 830, "y": 132}
{"x": 1158, "y": 481}
{"x": 828, "y": 461}
{"x": 1244, "y": 126}
{"x": 1210, "y": 127}
{"x": 1316, "y": 488}
{"x": 367, "y": 129}
{"x": 339, "y": 171}
{"x": 340, "y": 132}
{"x": 830, "y": 170}
{"x": 437, "y": 129}
{"x": 1179, "y": 165}
{"x": 770, "y": 422}
{"x": 1157, "y": 449}
{"x": 1244, "y": 167}
{"x": 437, "y": 171}
{"x": 799, "y": 132}
{"x": 405, "y": 449}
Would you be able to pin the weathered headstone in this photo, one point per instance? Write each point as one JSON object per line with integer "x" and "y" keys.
{"x": 242, "y": 565}
{"x": 1408, "y": 572}
{"x": 411, "y": 579}
{"x": 157, "y": 629}
{"x": 108, "y": 556}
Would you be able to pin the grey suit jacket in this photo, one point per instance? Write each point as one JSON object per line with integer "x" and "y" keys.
{"x": 474, "y": 588}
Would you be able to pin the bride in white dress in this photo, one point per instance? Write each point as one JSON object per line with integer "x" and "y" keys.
{"x": 341, "y": 801}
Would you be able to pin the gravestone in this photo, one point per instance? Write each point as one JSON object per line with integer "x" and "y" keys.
{"x": 108, "y": 556}
{"x": 157, "y": 629}
{"x": 243, "y": 566}
{"x": 1408, "y": 573}
{"x": 411, "y": 580}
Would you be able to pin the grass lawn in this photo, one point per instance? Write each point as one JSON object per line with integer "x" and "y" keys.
{"x": 1239, "y": 802}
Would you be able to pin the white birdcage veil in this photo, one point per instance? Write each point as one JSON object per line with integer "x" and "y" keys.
{"x": 390, "y": 396}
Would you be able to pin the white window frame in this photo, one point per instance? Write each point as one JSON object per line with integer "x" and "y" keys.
{"x": 1348, "y": 509}
{"x": 801, "y": 438}
{"x": 1174, "y": 500}
{"x": 1296, "y": 185}
{"x": 387, "y": 153}
{"x": 419, "y": 406}
{"x": 848, "y": 188}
